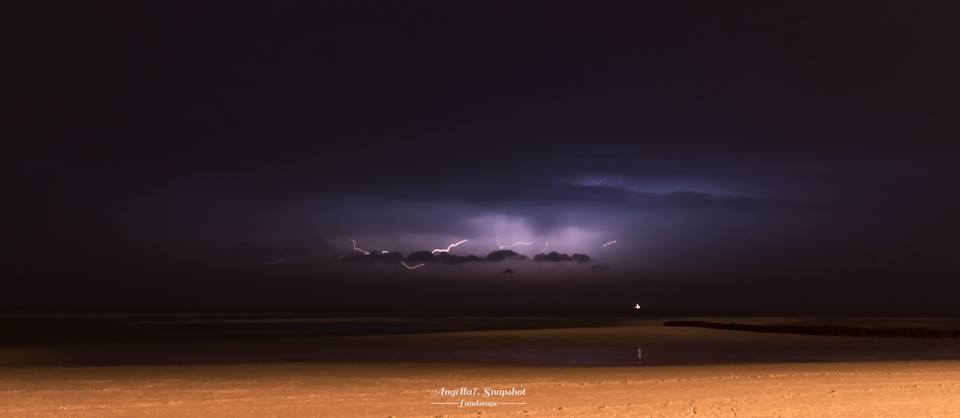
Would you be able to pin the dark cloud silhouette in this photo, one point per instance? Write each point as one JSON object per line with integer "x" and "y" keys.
{"x": 683, "y": 199}
{"x": 501, "y": 255}
{"x": 557, "y": 257}
{"x": 552, "y": 256}
{"x": 620, "y": 196}
{"x": 429, "y": 257}
{"x": 448, "y": 258}
{"x": 580, "y": 258}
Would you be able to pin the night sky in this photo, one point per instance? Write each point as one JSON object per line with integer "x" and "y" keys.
{"x": 747, "y": 156}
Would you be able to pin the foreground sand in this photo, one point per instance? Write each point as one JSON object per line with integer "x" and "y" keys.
{"x": 877, "y": 389}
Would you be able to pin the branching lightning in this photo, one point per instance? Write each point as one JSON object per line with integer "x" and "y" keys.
{"x": 414, "y": 267}
{"x": 360, "y": 250}
{"x": 546, "y": 243}
{"x": 440, "y": 250}
{"x": 608, "y": 243}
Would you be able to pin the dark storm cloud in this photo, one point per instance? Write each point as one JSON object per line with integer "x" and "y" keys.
{"x": 624, "y": 197}
{"x": 444, "y": 258}
{"x": 557, "y": 257}
{"x": 428, "y": 257}
{"x": 802, "y": 139}
{"x": 501, "y": 255}
{"x": 458, "y": 259}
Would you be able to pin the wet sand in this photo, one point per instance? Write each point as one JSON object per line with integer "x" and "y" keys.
{"x": 611, "y": 344}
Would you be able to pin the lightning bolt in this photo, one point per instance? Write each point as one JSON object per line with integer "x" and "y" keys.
{"x": 414, "y": 267}
{"x": 524, "y": 243}
{"x": 360, "y": 250}
{"x": 608, "y": 243}
{"x": 546, "y": 243}
{"x": 440, "y": 250}
{"x": 409, "y": 267}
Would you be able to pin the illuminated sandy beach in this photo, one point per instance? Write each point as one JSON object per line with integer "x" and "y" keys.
{"x": 892, "y": 389}
{"x": 529, "y": 372}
